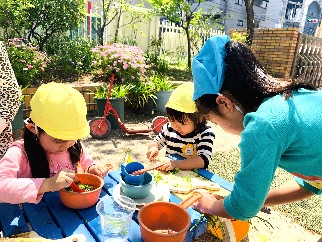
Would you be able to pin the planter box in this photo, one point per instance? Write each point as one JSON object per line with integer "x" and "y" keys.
{"x": 17, "y": 123}
{"x": 161, "y": 101}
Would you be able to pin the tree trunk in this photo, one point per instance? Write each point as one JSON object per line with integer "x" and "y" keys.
{"x": 116, "y": 36}
{"x": 250, "y": 21}
{"x": 189, "y": 46}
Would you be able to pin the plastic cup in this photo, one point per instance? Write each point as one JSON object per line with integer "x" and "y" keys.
{"x": 115, "y": 217}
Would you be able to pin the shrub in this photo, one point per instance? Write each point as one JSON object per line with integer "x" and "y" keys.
{"x": 161, "y": 82}
{"x": 119, "y": 91}
{"x": 27, "y": 62}
{"x": 126, "y": 60}
{"x": 72, "y": 56}
{"x": 238, "y": 36}
{"x": 140, "y": 93}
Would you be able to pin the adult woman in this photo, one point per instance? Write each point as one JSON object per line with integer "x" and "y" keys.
{"x": 9, "y": 99}
{"x": 279, "y": 123}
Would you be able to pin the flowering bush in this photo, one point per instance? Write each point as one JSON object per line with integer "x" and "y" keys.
{"x": 26, "y": 61}
{"x": 126, "y": 60}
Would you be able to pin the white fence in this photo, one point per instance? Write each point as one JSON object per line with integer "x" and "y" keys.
{"x": 173, "y": 37}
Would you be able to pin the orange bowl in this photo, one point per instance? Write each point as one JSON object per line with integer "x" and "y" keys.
{"x": 82, "y": 200}
{"x": 241, "y": 229}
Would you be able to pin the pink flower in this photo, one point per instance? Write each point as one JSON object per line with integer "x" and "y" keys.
{"x": 24, "y": 61}
{"x": 29, "y": 66}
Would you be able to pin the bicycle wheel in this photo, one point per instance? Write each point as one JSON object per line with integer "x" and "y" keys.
{"x": 99, "y": 128}
{"x": 158, "y": 122}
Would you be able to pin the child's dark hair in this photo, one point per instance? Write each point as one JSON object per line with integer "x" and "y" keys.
{"x": 247, "y": 81}
{"x": 182, "y": 118}
{"x": 38, "y": 161}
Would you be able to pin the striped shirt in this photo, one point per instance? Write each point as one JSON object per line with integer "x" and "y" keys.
{"x": 197, "y": 143}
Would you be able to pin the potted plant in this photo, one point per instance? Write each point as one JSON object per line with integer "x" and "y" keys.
{"x": 117, "y": 100}
{"x": 142, "y": 97}
{"x": 18, "y": 123}
{"x": 163, "y": 89}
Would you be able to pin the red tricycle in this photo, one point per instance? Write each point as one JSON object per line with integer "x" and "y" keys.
{"x": 100, "y": 127}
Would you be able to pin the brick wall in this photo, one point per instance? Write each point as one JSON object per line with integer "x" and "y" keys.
{"x": 276, "y": 47}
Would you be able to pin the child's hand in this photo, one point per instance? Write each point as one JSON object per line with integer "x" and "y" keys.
{"x": 100, "y": 169}
{"x": 168, "y": 166}
{"x": 152, "y": 153}
{"x": 59, "y": 181}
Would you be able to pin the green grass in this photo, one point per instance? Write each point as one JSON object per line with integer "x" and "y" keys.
{"x": 307, "y": 213}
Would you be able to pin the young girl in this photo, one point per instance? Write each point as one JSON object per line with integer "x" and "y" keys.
{"x": 279, "y": 123}
{"x": 45, "y": 160}
{"x": 186, "y": 134}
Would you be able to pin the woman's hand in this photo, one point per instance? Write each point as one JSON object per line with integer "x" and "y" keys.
{"x": 61, "y": 180}
{"x": 206, "y": 204}
{"x": 100, "y": 170}
{"x": 210, "y": 205}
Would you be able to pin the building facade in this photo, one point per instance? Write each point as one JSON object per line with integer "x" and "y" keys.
{"x": 302, "y": 14}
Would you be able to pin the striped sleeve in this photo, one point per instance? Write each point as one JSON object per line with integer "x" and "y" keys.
{"x": 205, "y": 144}
{"x": 160, "y": 139}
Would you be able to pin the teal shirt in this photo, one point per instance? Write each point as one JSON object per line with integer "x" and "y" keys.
{"x": 281, "y": 133}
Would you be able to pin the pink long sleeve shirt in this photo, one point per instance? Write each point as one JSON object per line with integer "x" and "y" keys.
{"x": 16, "y": 182}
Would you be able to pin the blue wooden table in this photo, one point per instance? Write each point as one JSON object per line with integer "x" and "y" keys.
{"x": 52, "y": 220}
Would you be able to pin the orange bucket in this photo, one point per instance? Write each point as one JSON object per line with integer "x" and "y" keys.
{"x": 166, "y": 221}
{"x": 239, "y": 228}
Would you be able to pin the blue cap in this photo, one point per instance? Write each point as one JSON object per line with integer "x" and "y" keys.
{"x": 208, "y": 66}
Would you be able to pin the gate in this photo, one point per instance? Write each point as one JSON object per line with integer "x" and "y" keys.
{"x": 307, "y": 65}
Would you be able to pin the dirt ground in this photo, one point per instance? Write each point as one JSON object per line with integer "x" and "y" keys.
{"x": 273, "y": 227}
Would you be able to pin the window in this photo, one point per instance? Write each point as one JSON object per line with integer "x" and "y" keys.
{"x": 240, "y": 23}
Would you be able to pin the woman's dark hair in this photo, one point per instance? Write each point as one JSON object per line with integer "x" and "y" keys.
{"x": 247, "y": 81}
{"x": 38, "y": 161}
{"x": 182, "y": 118}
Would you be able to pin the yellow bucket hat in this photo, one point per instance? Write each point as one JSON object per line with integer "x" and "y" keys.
{"x": 181, "y": 99}
{"x": 60, "y": 111}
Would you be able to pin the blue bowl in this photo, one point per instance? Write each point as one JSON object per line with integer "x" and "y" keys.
{"x": 138, "y": 191}
{"x": 128, "y": 169}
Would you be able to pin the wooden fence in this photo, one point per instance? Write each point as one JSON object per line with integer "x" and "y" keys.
{"x": 307, "y": 65}
{"x": 86, "y": 90}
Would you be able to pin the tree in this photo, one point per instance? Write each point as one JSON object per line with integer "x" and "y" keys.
{"x": 250, "y": 21}
{"x": 184, "y": 14}
{"x": 110, "y": 11}
{"x": 39, "y": 20}
{"x": 108, "y": 14}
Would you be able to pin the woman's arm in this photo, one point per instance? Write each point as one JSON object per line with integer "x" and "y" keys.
{"x": 286, "y": 193}
{"x": 10, "y": 93}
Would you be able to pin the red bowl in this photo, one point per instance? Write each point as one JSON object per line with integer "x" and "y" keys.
{"x": 82, "y": 200}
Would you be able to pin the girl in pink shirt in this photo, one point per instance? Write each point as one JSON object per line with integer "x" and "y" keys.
{"x": 46, "y": 159}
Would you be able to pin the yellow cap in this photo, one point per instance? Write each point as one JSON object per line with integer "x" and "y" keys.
{"x": 181, "y": 99}
{"x": 60, "y": 111}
